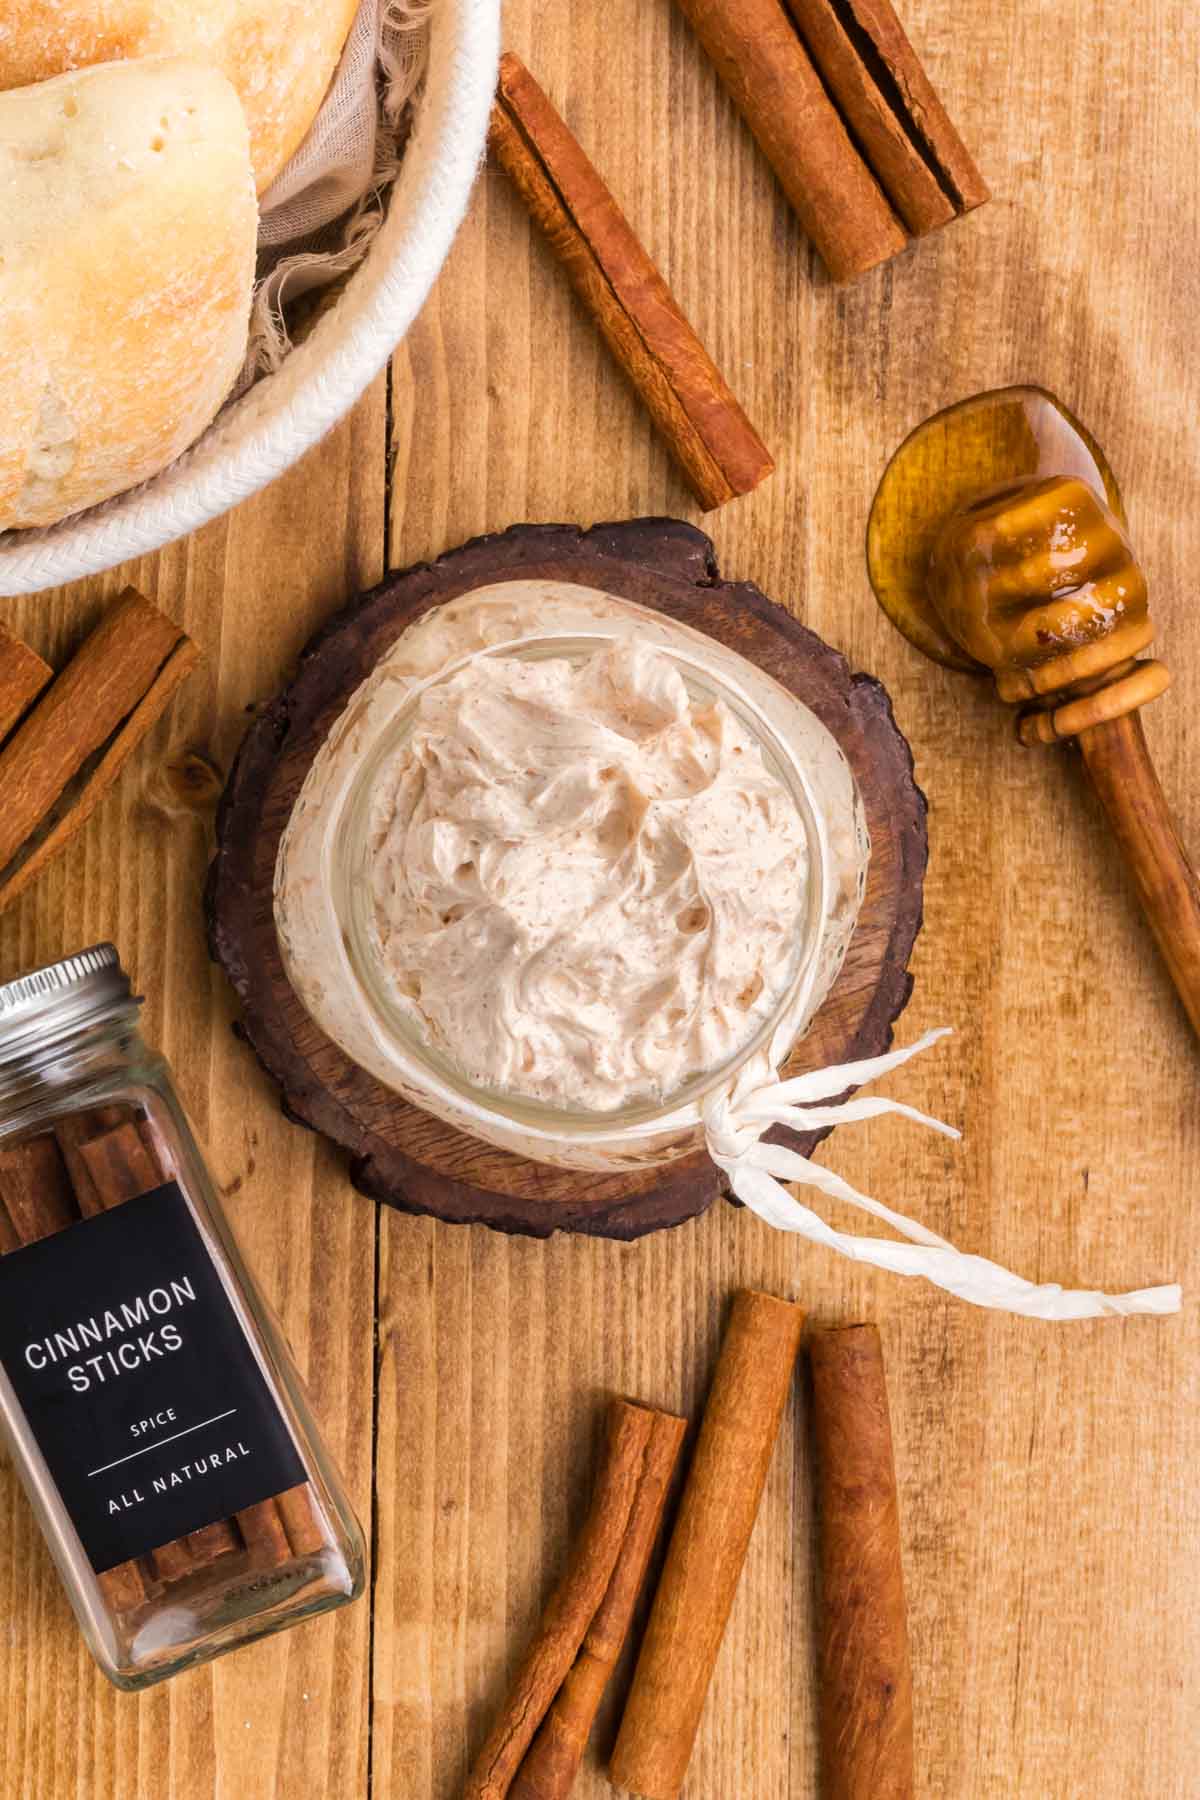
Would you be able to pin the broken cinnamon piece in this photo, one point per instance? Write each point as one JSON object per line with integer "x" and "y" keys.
{"x": 118, "y": 682}
{"x": 23, "y": 675}
{"x": 72, "y": 1133}
{"x": 890, "y": 105}
{"x": 123, "y": 1587}
{"x": 211, "y": 1541}
{"x": 681, "y": 387}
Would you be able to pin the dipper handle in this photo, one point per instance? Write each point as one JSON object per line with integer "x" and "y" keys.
{"x": 1117, "y": 759}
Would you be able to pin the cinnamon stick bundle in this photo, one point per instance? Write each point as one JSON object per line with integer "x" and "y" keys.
{"x": 708, "y": 1546}
{"x": 844, "y": 113}
{"x": 681, "y": 387}
{"x": 771, "y": 80}
{"x": 549, "y": 1770}
{"x": 866, "y": 1673}
{"x": 598, "y": 1590}
{"x": 108, "y": 697}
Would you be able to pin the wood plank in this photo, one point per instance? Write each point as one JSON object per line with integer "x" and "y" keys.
{"x": 249, "y": 589}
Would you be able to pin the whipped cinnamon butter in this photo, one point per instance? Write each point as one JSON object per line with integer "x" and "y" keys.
{"x": 586, "y": 886}
{"x": 564, "y": 872}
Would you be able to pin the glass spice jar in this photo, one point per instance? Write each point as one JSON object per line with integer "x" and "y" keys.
{"x": 153, "y": 1411}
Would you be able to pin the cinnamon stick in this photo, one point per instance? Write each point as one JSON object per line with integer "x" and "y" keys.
{"x": 23, "y": 675}
{"x": 681, "y": 387}
{"x": 866, "y": 1673}
{"x": 889, "y": 103}
{"x": 72, "y": 1134}
{"x": 708, "y": 1546}
{"x": 118, "y": 682}
{"x": 549, "y": 1770}
{"x": 305, "y": 1531}
{"x": 771, "y": 79}
{"x": 137, "y": 726}
{"x": 572, "y": 1606}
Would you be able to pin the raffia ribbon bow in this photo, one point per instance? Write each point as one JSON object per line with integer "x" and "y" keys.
{"x": 734, "y": 1126}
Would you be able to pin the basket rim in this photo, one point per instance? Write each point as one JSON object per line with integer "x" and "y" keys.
{"x": 270, "y": 427}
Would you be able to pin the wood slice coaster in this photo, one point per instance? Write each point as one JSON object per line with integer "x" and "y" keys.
{"x": 406, "y": 1157}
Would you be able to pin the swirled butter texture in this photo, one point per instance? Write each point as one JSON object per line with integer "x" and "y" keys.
{"x": 586, "y": 885}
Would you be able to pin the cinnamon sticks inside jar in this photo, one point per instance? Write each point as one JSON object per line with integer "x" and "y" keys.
{"x": 148, "y": 1401}
{"x": 712, "y": 440}
{"x": 67, "y": 751}
{"x": 88, "y": 1163}
{"x": 866, "y": 1704}
{"x": 843, "y": 111}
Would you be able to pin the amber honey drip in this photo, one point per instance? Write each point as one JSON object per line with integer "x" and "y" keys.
{"x": 949, "y": 463}
{"x": 997, "y": 544}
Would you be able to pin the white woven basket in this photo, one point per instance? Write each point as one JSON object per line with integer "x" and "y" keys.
{"x": 283, "y": 415}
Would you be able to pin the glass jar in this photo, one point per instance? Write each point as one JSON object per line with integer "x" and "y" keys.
{"x": 154, "y": 1414}
{"x": 322, "y": 874}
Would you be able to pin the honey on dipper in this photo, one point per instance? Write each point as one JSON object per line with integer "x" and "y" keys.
{"x": 997, "y": 543}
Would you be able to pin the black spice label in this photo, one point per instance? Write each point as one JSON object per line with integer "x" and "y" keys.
{"x": 137, "y": 1379}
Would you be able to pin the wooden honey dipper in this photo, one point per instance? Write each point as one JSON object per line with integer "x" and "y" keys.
{"x": 1037, "y": 581}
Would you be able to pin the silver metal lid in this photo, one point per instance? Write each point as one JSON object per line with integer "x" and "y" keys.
{"x": 62, "y": 998}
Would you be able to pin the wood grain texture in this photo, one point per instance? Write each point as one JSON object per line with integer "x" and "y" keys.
{"x": 1046, "y": 1476}
{"x": 405, "y": 1156}
{"x": 259, "y": 1724}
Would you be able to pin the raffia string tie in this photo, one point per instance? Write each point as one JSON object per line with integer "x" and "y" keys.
{"x": 734, "y": 1127}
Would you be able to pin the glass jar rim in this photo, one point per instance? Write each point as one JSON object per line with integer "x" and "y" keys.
{"x": 431, "y": 1069}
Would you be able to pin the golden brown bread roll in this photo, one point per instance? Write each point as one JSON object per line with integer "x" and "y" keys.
{"x": 279, "y": 54}
{"x": 127, "y": 239}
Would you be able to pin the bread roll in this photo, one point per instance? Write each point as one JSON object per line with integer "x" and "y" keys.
{"x": 127, "y": 238}
{"x": 279, "y": 54}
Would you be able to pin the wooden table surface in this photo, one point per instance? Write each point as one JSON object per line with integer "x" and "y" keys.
{"x": 1050, "y": 1502}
